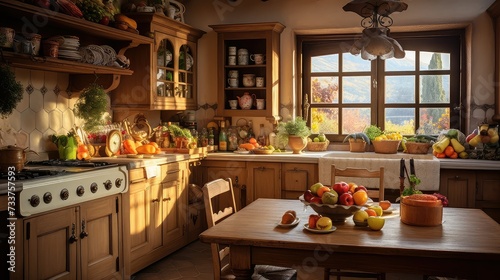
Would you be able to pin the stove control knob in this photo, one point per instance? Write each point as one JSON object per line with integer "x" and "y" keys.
{"x": 34, "y": 200}
{"x": 47, "y": 197}
{"x": 118, "y": 182}
{"x": 64, "y": 194}
{"x": 93, "y": 187}
{"x": 80, "y": 190}
{"x": 108, "y": 185}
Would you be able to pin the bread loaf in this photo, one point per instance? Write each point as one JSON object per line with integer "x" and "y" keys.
{"x": 121, "y": 18}
{"x": 426, "y": 200}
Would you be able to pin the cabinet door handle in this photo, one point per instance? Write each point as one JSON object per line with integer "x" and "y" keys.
{"x": 83, "y": 234}
{"x": 73, "y": 238}
{"x": 167, "y": 199}
{"x": 155, "y": 200}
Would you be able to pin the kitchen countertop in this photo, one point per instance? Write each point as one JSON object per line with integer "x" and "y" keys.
{"x": 304, "y": 157}
{"x": 313, "y": 157}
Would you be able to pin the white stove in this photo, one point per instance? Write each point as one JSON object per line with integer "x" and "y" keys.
{"x": 69, "y": 185}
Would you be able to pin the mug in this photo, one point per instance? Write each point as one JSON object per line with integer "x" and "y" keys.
{"x": 231, "y": 60}
{"x": 8, "y": 34}
{"x": 35, "y": 39}
{"x": 233, "y": 104}
{"x": 259, "y": 81}
{"x": 258, "y": 58}
{"x": 249, "y": 80}
{"x": 261, "y": 103}
{"x": 231, "y": 50}
{"x": 233, "y": 83}
{"x": 233, "y": 74}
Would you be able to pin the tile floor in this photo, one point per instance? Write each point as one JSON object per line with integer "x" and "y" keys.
{"x": 193, "y": 262}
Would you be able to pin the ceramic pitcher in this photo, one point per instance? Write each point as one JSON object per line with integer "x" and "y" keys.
{"x": 246, "y": 101}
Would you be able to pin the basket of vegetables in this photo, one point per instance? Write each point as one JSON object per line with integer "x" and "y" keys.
{"x": 418, "y": 144}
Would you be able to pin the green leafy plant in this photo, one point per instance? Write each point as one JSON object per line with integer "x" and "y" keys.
{"x": 414, "y": 182}
{"x": 12, "y": 91}
{"x": 296, "y": 127}
{"x": 373, "y": 131}
{"x": 91, "y": 106}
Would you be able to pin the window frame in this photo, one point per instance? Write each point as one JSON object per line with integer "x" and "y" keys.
{"x": 417, "y": 40}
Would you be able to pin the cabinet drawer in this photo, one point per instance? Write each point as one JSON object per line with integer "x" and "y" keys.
{"x": 137, "y": 175}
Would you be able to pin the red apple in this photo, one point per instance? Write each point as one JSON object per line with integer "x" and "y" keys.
{"x": 308, "y": 195}
{"x": 346, "y": 199}
{"x": 104, "y": 20}
{"x": 316, "y": 199}
{"x": 340, "y": 187}
{"x": 313, "y": 218}
{"x": 360, "y": 187}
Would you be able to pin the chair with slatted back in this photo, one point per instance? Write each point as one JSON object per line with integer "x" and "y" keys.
{"x": 378, "y": 194}
{"x": 220, "y": 253}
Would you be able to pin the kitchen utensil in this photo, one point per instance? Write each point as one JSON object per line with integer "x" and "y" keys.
{"x": 246, "y": 100}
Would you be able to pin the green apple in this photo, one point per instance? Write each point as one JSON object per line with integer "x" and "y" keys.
{"x": 322, "y": 137}
{"x": 376, "y": 223}
{"x": 314, "y": 188}
{"x": 377, "y": 209}
{"x": 316, "y": 139}
{"x": 360, "y": 216}
{"x": 324, "y": 223}
{"x": 330, "y": 197}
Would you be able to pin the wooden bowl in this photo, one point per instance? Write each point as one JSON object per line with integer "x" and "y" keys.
{"x": 421, "y": 215}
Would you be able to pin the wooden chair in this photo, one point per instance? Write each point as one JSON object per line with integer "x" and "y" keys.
{"x": 372, "y": 193}
{"x": 220, "y": 253}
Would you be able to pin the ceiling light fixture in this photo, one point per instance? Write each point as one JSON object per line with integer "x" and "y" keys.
{"x": 375, "y": 41}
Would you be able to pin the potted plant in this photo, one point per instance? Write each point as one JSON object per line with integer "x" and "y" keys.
{"x": 91, "y": 106}
{"x": 12, "y": 91}
{"x": 357, "y": 142}
{"x": 295, "y": 133}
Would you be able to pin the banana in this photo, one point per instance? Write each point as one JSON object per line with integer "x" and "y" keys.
{"x": 456, "y": 145}
{"x": 441, "y": 145}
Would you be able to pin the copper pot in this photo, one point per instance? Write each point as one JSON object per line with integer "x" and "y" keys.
{"x": 12, "y": 158}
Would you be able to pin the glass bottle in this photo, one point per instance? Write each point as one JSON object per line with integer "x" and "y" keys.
{"x": 211, "y": 137}
{"x": 232, "y": 139}
{"x": 261, "y": 139}
{"x": 222, "y": 138}
{"x": 272, "y": 137}
{"x": 250, "y": 134}
{"x": 204, "y": 137}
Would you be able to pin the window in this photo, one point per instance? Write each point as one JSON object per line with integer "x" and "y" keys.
{"x": 416, "y": 94}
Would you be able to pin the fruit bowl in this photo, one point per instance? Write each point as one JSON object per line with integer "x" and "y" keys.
{"x": 336, "y": 212}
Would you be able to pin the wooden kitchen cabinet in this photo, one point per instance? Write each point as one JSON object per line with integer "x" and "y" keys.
{"x": 236, "y": 170}
{"x": 157, "y": 211}
{"x": 164, "y": 75}
{"x": 23, "y": 17}
{"x": 263, "y": 180}
{"x": 472, "y": 189}
{"x": 297, "y": 178}
{"x": 459, "y": 186}
{"x": 75, "y": 243}
{"x": 257, "y": 38}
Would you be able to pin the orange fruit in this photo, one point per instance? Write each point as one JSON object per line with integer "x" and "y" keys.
{"x": 82, "y": 155}
{"x": 82, "y": 148}
{"x": 252, "y": 141}
{"x": 385, "y": 204}
{"x": 360, "y": 197}
{"x": 371, "y": 212}
{"x": 322, "y": 190}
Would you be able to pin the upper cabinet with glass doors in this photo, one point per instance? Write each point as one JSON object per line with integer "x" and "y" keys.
{"x": 166, "y": 78}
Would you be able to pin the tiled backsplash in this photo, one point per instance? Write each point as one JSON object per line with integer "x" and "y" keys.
{"x": 45, "y": 110}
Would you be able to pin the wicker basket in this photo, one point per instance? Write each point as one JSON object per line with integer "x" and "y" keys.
{"x": 357, "y": 147}
{"x": 386, "y": 146}
{"x": 417, "y": 148}
{"x": 317, "y": 146}
{"x": 421, "y": 215}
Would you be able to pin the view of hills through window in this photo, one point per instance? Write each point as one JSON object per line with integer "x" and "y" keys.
{"x": 414, "y": 93}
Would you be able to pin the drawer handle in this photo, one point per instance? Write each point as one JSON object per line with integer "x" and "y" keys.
{"x": 167, "y": 199}
{"x": 155, "y": 200}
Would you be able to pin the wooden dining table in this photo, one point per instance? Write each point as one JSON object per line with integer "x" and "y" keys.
{"x": 465, "y": 245}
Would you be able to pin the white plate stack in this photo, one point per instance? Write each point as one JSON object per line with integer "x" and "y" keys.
{"x": 68, "y": 49}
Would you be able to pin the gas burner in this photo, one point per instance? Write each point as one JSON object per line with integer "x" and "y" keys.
{"x": 29, "y": 174}
{"x": 79, "y": 163}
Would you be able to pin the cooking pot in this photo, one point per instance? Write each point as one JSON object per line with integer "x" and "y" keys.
{"x": 12, "y": 158}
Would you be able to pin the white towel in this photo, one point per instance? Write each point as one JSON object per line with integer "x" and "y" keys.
{"x": 427, "y": 170}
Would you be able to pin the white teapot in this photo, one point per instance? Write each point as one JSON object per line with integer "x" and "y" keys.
{"x": 246, "y": 101}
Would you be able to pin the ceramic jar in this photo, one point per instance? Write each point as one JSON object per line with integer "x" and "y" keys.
{"x": 9, "y": 35}
{"x": 242, "y": 57}
{"x": 249, "y": 80}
